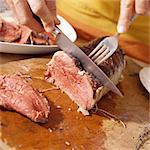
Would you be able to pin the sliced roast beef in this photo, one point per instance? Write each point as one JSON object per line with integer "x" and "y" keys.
{"x": 23, "y": 35}
{"x": 42, "y": 38}
{"x": 83, "y": 88}
{"x": 17, "y": 94}
{"x": 9, "y": 32}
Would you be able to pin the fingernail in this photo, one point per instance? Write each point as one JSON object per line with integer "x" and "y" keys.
{"x": 57, "y": 21}
{"x": 121, "y": 29}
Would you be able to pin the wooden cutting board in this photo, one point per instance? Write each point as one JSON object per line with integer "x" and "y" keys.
{"x": 69, "y": 130}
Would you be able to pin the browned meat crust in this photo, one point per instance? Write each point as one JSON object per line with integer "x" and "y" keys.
{"x": 67, "y": 73}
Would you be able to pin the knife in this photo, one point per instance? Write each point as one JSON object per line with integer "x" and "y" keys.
{"x": 69, "y": 47}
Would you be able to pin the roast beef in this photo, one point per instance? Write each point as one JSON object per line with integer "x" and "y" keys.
{"x": 23, "y": 35}
{"x": 17, "y": 94}
{"x": 83, "y": 88}
{"x": 9, "y": 32}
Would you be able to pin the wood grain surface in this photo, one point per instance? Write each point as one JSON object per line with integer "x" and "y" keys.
{"x": 69, "y": 130}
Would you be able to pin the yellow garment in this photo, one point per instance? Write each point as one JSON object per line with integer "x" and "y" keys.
{"x": 95, "y": 16}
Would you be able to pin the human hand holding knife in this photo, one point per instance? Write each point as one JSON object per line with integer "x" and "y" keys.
{"x": 65, "y": 44}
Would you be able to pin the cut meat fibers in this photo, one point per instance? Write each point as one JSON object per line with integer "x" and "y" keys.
{"x": 17, "y": 94}
{"x": 83, "y": 88}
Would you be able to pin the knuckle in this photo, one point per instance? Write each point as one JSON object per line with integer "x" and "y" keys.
{"x": 141, "y": 11}
{"x": 127, "y": 3}
{"x": 16, "y": 2}
{"x": 37, "y": 9}
{"x": 24, "y": 21}
{"x": 142, "y": 7}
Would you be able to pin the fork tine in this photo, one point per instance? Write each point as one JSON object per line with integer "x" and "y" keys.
{"x": 104, "y": 54}
{"x": 105, "y": 57}
{"x": 95, "y": 49}
{"x": 101, "y": 50}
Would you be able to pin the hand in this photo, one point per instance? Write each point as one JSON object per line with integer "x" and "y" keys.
{"x": 129, "y": 8}
{"x": 44, "y": 9}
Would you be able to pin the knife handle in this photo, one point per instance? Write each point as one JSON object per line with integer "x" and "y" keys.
{"x": 56, "y": 31}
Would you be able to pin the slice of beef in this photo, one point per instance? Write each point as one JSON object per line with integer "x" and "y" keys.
{"x": 30, "y": 37}
{"x": 42, "y": 39}
{"x": 83, "y": 88}
{"x": 9, "y": 32}
{"x": 17, "y": 94}
{"x": 23, "y": 35}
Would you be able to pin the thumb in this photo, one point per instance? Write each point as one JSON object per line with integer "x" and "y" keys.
{"x": 126, "y": 12}
{"x": 51, "y": 4}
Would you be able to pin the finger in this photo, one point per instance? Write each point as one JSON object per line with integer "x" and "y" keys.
{"x": 10, "y": 4}
{"x": 51, "y": 4}
{"x": 24, "y": 15}
{"x": 1, "y": 23}
{"x": 126, "y": 12}
{"x": 142, "y": 6}
{"x": 41, "y": 10}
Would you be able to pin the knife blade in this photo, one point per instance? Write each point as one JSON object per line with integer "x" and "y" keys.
{"x": 65, "y": 44}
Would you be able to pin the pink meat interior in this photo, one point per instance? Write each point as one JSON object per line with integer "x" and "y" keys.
{"x": 17, "y": 94}
{"x": 63, "y": 72}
